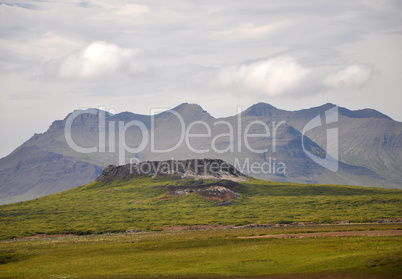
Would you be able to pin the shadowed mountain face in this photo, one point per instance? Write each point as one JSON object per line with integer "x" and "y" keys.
{"x": 370, "y": 147}
{"x": 366, "y": 137}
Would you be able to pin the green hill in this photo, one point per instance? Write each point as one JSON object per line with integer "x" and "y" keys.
{"x": 147, "y": 203}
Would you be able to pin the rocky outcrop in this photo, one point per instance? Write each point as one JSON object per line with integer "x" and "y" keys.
{"x": 214, "y": 169}
{"x": 219, "y": 193}
{"x": 222, "y": 191}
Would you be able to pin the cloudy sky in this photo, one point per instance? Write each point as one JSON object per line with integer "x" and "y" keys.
{"x": 57, "y": 56}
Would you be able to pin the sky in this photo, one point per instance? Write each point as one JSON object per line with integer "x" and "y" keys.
{"x": 58, "y": 56}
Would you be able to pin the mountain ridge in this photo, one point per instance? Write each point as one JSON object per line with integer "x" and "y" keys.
{"x": 370, "y": 148}
{"x": 267, "y": 109}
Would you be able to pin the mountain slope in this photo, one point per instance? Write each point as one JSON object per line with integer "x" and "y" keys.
{"x": 366, "y": 137}
{"x": 370, "y": 147}
{"x": 41, "y": 172}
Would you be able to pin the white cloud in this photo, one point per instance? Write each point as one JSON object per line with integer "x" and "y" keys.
{"x": 53, "y": 45}
{"x": 352, "y": 76}
{"x": 96, "y": 59}
{"x": 184, "y": 49}
{"x": 132, "y": 10}
{"x": 250, "y": 30}
{"x": 272, "y": 77}
{"x": 120, "y": 13}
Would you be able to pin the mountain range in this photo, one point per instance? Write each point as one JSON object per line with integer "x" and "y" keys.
{"x": 262, "y": 141}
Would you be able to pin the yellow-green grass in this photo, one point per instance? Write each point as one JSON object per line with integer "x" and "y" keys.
{"x": 100, "y": 208}
{"x": 204, "y": 254}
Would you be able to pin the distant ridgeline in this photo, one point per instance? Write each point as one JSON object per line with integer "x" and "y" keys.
{"x": 75, "y": 150}
{"x": 214, "y": 169}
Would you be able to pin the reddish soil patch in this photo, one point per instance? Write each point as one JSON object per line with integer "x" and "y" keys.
{"x": 329, "y": 234}
{"x": 174, "y": 228}
{"x": 195, "y": 227}
{"x": 322, "y": 276}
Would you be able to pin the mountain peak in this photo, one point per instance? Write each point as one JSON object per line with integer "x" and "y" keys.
{"x": 89, "y": 112}
{"x": 260, "y": 109}
{"x": 190, "y": 110}
{"x": 194, "y": 108}
{"x": 363, "y": 113}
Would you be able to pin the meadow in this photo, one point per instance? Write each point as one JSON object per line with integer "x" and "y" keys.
{"x": 206, "y": 254}
{"x": 97, "y": 214}
{"x": 142, "y": 203}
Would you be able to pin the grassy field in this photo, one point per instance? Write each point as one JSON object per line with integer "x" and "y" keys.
{"x": 143, "y": 203}
{"x": 139, "y": 204}
{"x": 205, "y": 254}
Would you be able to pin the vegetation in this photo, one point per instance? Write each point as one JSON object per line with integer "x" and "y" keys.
{"x": 145, "y": 203}
{"x": 141, "y": 203}
{"x": 204, "y": 254}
